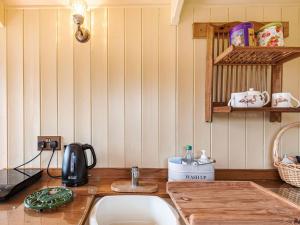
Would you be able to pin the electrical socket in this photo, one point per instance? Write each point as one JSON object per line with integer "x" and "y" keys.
{"x": 48, "y": 139}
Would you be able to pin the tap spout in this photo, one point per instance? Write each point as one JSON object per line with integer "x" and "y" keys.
{"x": 135, "y": 176}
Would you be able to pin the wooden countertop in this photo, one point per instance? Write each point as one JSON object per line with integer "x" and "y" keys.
{"x": 12, "y": 212}
{"x": 231, "y": 202}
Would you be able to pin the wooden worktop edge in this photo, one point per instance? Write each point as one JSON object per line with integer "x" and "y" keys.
{"x": 177, "y": 206}
{"x": 87, "y": 210}
{"x": 162, "y": 173}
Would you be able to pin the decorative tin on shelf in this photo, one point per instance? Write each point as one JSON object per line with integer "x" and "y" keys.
{"x": 48, "y": 198}
{"x": 178, "y": 171}
{"x": 270, "y": 35}
{"x": 242, "y": 35}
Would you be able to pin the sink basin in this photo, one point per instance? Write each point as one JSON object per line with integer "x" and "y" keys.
{"x": 133, "y": 210}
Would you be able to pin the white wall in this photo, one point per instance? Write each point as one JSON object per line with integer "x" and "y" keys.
{"x": 135, "y": 91}
{"x": 1, "y": 14}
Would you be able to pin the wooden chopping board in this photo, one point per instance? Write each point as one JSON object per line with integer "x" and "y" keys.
{"x": 231, "y": 203}
{"x": 126, "y": 187}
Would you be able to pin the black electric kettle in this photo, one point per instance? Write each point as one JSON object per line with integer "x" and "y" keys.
{"x": 75, "y": 164}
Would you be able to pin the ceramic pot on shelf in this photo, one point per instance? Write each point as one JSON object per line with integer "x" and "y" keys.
{"x": 257, "y": 99}
{"x": 284, "y": 100}
{"x": 249, "y": 99}
{"x": 238, "y": 100}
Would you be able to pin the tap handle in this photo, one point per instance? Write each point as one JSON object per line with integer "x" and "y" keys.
{"x": 135, "y": 172}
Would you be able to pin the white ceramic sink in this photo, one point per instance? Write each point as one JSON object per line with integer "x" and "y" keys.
{"x": 133, "y": 210}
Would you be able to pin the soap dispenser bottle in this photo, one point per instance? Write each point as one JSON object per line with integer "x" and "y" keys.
{"x": 203, "y": 158}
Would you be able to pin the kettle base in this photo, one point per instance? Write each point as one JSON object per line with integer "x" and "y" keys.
{"x": 69, "y": 183}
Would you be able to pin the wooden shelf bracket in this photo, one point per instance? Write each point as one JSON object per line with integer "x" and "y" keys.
{"x": 276, "y": 86}
{"x": 209, "y": 75}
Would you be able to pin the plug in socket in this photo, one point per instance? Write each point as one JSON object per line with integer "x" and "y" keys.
{"x": 48, "y": 139}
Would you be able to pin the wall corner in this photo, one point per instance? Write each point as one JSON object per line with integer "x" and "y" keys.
{"x": 1, "y": 14}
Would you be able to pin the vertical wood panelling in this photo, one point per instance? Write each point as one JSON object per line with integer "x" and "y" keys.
{"x": 150, "y": 18}
{"x": 2, "y": 15}
{"x": 116, "y": 87}
{"x": 167, "y": 73}
{"x": 255, "y": 13}
{"x": 254, "y": 121}
{"x": 272, "y": 13}
{"x": 220, "y": 126}
{"x": 48, "y": 70}
{"x": 290, "y": 140}
{"x": 219, "y": 14}
{"x": 135, "y": 91}
{"x": 31, "y": 85}
{"x": 237, "y": 13}
{"x": 65, "y": 79}
{"x": 237, "y": 141}
{"x": 269, "y": 14}
{"x": 185, "y": 81}
{"x": 82, "y": 89}
{"x": 202, "y": 129}
{"x": 3, "y": 100}
{"x": 99, "y": 85}
{"x": 237, "y": 125}
{"x": 14, "y": 21}
{"x": 255, "y": 134}
{"x": 133, "y": 39}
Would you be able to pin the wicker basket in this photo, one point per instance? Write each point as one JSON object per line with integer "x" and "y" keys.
{"x": 289, "y": 193}
{"x": 290, "y": 173}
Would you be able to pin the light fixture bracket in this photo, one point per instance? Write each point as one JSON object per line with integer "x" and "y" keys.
{"x": 82, "y": 35}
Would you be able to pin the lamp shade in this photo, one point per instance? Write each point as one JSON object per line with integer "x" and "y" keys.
{"x": 79, "y": 7}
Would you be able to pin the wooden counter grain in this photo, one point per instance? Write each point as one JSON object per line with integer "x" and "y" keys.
{"x": 12, "y": 212}
{"x": 231, "y": 202}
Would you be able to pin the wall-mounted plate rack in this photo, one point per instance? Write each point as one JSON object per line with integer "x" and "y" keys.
{"x": 256, "y": 55}
{"x": 234, "y": 69}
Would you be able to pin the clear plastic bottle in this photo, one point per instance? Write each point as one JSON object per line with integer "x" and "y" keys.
{"x": 188, "y": 158}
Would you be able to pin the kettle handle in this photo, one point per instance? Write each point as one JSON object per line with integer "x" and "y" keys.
{"x": 85, "y": 147}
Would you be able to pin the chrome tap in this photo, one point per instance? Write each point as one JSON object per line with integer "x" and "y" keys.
{"x": 135, "y": 176}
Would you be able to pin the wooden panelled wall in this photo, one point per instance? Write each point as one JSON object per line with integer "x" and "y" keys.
{"x": 135, "y": 91}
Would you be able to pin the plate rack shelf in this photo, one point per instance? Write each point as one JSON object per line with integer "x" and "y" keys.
{"x": 234, "y": 69}
{"x": 256, "y": 55}
{"x": 228, "y": 109}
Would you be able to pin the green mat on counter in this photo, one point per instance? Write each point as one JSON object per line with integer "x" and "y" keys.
{"x": 48, "y": 198}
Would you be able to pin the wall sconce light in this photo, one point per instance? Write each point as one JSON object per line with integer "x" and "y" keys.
{"x": 79, "y": 8}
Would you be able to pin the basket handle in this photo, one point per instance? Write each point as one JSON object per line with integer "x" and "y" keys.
{"x": 277, "y": 139}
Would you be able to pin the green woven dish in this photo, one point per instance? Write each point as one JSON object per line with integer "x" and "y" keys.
{"x": 48, "y": 198}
